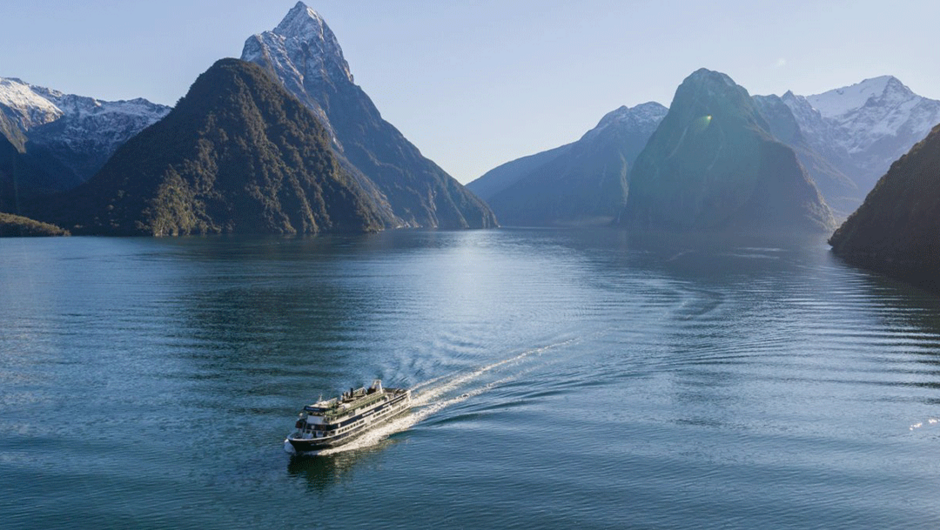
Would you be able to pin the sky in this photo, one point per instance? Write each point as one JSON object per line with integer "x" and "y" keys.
{"x": 474, "y": 84}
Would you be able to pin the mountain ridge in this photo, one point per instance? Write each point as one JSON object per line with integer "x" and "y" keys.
{"x": 304, "y": 56}
{"x": 863, "y": 128}
{"x": 72, "y": 136}
{"x": 582, "y": 183}
{"x": 238, "y": 154}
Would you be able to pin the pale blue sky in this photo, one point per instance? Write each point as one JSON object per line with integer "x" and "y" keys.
{"x": 474, "y": 84}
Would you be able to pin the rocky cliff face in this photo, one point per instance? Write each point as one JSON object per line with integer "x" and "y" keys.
{"x": 238, "y": 154}
{"x": 713, "y": 164}
{"x": 582, "y": 183}
{"x": 303, "y": 54}
{"x": 896, "y": 229}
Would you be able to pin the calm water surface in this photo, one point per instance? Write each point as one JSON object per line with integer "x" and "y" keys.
{"x": 563, "y": 379}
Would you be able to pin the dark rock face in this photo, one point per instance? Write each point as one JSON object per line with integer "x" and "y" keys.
{"x": 238, "y": 154}
{"x": 582, "y": 183}
{"x": 302, "y": 53}
{"x": 24, "y": 176}
{"x": 714, "y": 165}
{"x": 896, "y": 229}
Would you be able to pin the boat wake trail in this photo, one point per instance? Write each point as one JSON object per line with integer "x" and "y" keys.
{"x": 435, "y": 395}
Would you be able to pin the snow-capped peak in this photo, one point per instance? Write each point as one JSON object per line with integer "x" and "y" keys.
{"x": 303, "y": 44}
{"x": 847, "y": 99}
{"x": 80, "y": 132}
{"x": 27, "y": 107}
{"x": 650, "y": 112}
{"x": 864, "y": 127}
{"x": 302, "y": 22}
{"x": 645, "y": 116}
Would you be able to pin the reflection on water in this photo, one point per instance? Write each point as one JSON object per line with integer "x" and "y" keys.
{"x": 320, "y": 473}
{"x": 561, "y": 378}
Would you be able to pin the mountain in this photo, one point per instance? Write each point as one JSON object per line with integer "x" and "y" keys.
{"x": 840, "y": 192}
{"x": 505, "y": 175}
{"x": 68, "y": 137}
{"x": 23, "y": 177}
{"x": 713, "y": 164}
{"x": 582, "y": 183}
{"x": 895, "y": 230}
{"x": 303, "y": 54}
{"x": 862, "y": 129}
{"x": 238, "y": 154}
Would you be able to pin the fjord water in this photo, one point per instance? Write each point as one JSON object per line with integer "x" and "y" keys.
{"x": 563, "y": 379}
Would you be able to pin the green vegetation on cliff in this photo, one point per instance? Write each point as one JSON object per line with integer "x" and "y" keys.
{"x": 19, "y": 226}
{"x": 238, "y": 154}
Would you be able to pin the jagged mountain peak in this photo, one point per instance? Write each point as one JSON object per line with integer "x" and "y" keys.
{"x": 303, "y": 44}
{"x": 650, "y": 112}
{"x": 303, "y": 22}
{"x": 840, "y": 101}
{"x": 304, "y": 56}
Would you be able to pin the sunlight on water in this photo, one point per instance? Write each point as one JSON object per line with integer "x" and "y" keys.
{"x": 918, "y": 425}
{"x": 698, "y": 382}
{"x": 426, "y": 398}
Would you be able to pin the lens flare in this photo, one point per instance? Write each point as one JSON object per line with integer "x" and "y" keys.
{"x": 701, "y": 123}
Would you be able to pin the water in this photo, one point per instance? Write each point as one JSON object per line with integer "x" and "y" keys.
{"x": 563, "y": 379}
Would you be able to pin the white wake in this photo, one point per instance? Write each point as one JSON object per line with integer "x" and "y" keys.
{"x": 428, "y": 399}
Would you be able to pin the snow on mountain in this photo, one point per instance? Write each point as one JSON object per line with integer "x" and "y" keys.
{"x": 302, "y": 50}
{"x": 865, "y": 127}
{"x": 303, "y": 54}
{"x": 24, "y": 106}
{"x": 841, "y": 100}
{"x": 641, "y": 117}
{"x": 80, "y": 132}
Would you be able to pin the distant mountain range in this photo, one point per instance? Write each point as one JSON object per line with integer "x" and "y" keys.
{"x": 862, "y": 129}
{"x": 173, "y": 179}
{"x": 582, "y": 183}
{"x": 63, "y": 139}
{"x": 720, "y": 160}
{"x": 844, "y": 140}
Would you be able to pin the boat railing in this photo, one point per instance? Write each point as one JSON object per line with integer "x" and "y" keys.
{"x": 337, "y": 412}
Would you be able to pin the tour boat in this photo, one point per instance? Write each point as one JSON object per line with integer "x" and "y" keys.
{"x": 331, "y": 423}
